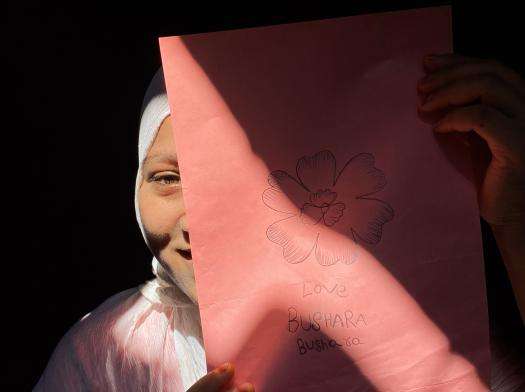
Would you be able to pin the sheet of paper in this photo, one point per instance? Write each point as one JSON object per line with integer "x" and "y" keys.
{"x": 335, "y": 239}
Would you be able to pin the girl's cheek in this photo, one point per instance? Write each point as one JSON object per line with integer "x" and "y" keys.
{"x": 160, "y": 215}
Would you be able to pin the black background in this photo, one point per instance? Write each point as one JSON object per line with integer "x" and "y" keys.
{"x": 75, "y": 82}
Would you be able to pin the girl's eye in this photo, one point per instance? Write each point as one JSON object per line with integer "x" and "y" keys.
{"x": 166, "y": 179}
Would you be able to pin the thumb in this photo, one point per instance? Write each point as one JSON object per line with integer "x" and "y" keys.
{"x": 214, "y": 380}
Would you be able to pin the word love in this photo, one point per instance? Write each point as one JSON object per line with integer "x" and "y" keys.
{"x": 312, "y": 287}
{"x": 316, "y": 320}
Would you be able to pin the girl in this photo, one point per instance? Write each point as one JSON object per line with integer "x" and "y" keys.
{"x": 146, "y": 338}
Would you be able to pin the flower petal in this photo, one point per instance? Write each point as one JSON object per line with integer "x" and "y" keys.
{"x": 332, "y": 248}
{"x": 317, "y": 171}
{"x": 277, "y": 200}
{"x": 286, "y": 193}
{"x": 365, "y": 218}
{"x": 297, "y": 239}
{"x": 311, "y": 214}
{"x": 359, "y": 177}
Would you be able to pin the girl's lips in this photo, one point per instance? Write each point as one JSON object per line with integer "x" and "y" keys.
{"x": 186, "y": 253}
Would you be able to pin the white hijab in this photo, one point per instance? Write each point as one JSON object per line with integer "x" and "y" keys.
{"x": 164, "y": 287}
{"x": 155, "y": 109}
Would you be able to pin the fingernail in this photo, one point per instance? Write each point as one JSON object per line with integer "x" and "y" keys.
{"x": 246, "y": 387}
{"x": 225, "y": 367}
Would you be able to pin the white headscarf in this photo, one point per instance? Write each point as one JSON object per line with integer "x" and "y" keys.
{"x": 164, "y": 288}
{"x": 155, "y": 109}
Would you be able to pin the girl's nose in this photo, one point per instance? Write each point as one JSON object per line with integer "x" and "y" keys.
{"x": 186, "y": 235}
{"x": 184, "y": 227}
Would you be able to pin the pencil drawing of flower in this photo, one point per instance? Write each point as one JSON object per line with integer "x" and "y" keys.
{"x": 321, "y": 200}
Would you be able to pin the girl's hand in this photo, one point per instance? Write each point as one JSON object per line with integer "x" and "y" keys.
{"x": 219, "y": 380}
{"x": 486, "y": 97}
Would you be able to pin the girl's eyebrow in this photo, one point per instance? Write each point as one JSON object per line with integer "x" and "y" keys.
{"x": 163, "y": 157}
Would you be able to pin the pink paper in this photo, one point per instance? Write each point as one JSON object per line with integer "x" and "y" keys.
{"x": 335, "y": 238}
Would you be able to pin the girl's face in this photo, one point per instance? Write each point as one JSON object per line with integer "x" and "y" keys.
{"x": 162, "y": 209}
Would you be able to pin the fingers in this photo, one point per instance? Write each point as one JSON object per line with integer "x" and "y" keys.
{"x": 219, "y": 379}
{"x": 497, "y": 129}
{"x": 441, "y": 76}
{"x": 246, "y": 387}
{"x": 487, "y": 89}
{"x": 214, "y": 380}
{"x": 433, "y": 62}
{"x": 476, "y": 79}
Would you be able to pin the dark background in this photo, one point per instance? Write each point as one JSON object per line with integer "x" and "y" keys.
{"x": 76, "y": 79}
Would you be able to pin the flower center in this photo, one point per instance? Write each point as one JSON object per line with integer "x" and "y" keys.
{"x": 322, "y": 198}
{"x": 321, "y": 207}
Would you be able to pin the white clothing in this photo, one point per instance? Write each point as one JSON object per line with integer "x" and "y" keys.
{"x": 146, "y": 338}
